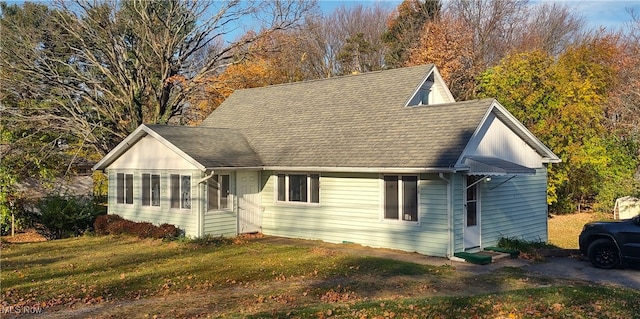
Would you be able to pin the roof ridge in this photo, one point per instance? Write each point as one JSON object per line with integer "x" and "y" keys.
{"x": 369, "y": 73}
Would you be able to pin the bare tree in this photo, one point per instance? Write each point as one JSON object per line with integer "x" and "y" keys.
{"x": 325, "y": 39}
{"x": 133, "y": 62}
{"x": 551, "y": 27}
{"x": 494, "y": 24}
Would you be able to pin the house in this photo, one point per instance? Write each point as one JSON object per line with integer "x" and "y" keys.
{"x": 383, "y": 159}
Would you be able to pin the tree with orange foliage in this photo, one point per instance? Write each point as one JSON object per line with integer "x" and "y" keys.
{"x": 405, "y": 27}
{"x": 447, "y": 42}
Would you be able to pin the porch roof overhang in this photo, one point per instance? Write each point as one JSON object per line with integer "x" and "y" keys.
{"x": 481, "y": 165}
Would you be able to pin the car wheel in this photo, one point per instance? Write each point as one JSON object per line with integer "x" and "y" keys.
{"x": 603, "y": 253}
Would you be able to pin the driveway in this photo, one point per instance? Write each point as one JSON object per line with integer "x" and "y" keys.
{"x": 571, "y": 267}
{"x": 563, "y": 267}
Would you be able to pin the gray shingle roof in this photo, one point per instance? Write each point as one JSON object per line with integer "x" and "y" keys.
{"x": 211, "y": 147}
{"x": 350, "y": 121}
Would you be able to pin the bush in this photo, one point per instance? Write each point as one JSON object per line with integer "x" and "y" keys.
{"x": 211, "y": 240}
{"x": 527, "y": 249}
{"x": 102, "y": 222}
{"x": 116, "y": 225}
{"x": 66, "y": 216}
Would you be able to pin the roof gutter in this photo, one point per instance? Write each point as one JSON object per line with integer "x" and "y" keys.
{"x": 339, "y": 169}
{"x": 234, "y": 168}
{"x": 334, "y": 169}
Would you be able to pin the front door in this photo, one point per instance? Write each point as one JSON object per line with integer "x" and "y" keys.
{"x": 472, "y": 214}
{"x": 249, "y": 205}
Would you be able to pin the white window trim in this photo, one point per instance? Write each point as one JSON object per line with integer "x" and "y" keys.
{"x": 400, "y": 198}
{"x": 151, "y": 206}
{"x": 180, "y": 190}
{"x": 286, "y": 189}
{"x": 229, "y": 196}
{"x": 124, "y": 189}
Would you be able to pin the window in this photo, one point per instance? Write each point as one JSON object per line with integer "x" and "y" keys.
{"x": 150, "y": 190}
{"x": 218, "y": 192}
{"x": 472, "y": 200}
{"x": 401, "y": 197}
{"x": 303, "y": 188}
{"x": 180, "y": 191}
{"x": 124, "y": 188}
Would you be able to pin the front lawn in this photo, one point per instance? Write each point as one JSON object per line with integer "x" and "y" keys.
{"x": 117, "y": 276}
{"x": 564, "y": 229}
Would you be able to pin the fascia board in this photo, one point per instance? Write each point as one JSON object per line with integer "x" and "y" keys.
{"x": 417, "y": 89}
{"x": 121, "y": 148}
{"x": 133, "y": 138}
{"x": 460, "y": 161}
{"x": 546, "y": 153}
{"x": 439, "y": 78}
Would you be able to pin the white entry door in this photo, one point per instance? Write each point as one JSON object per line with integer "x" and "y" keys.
{"x": 249, "y": 204}
{"x": 472, "y": 214}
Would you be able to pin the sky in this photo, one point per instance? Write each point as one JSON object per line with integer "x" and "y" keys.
{"x": 611, "y": 14}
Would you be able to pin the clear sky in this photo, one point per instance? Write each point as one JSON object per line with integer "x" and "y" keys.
{"x": 611, "y": 14}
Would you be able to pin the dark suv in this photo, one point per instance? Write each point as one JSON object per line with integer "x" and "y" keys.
{"x": 611, "y": 244}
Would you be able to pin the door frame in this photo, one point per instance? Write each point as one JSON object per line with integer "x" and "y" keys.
{"x": 248, "y": 206}
{"x": 472, "y": 235}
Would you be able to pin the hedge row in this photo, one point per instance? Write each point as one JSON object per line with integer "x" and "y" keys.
{"x": 115, "y": 225}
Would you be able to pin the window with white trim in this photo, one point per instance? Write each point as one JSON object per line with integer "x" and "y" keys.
{"x": 150, "y": 189}
{"x": 401, "y": 197}
{"x": 218, "y": 192}
{"x": 302, "y": 188}
{"x": 180, "y": 191}
{"x": 124, "y": 188}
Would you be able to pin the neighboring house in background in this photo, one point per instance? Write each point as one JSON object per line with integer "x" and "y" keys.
{"x": 79, "y": 182}
{"x": 383, "y": 159}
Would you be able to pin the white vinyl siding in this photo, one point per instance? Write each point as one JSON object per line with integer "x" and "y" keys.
{"x": 350, "y": 212}
{"x": 495, "y": 139}
{"x": 186, "y": 219}
{"x": 515, "y": 209}
{"x": 221, "y": 222}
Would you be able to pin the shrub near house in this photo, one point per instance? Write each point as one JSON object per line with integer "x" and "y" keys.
{"x": 67, "y": 216}
{"x": 116, "y": 225}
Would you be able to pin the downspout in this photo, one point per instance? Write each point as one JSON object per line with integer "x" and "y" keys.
{"x": 449, "y": 217}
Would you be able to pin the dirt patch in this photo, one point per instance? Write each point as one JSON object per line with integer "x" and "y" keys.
{"x": 27, "y": 236}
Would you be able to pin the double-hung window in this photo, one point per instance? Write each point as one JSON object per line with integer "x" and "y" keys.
{"x": 302, "y": 188}
{"x": 150, "y": 190}
{"x": 124, "y": 188}
{"x": 401, "y": 197}
{"x": 218, "y": 192}
{"x": 180, "y": 191}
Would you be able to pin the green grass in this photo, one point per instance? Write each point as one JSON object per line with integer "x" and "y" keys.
{"x": 557, "y": 302}
{"x": 123, "y": 267}
{"x": 255, "y": 279}
{"x": 565, "y": 229}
